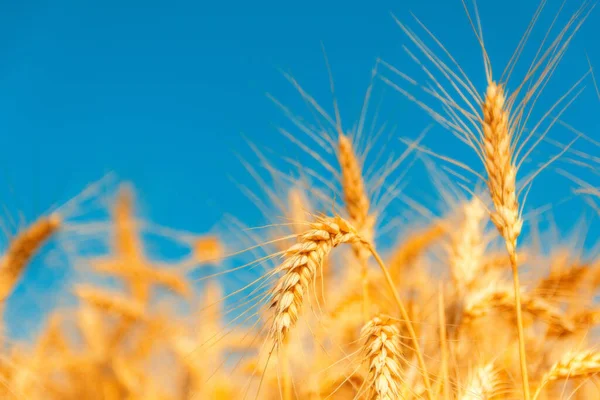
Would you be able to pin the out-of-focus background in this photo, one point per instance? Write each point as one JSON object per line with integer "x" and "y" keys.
{"x": 168, "y": 94}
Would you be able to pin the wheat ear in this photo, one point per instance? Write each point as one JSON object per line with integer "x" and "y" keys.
{"x": 22, "y": 249}
{"x": 571, "y": 365}
{"x": 357, "y": 205}
{"x": 482, "y": 384}
{"x": 500, "y": 166}
{"x": 355, "y": 196}
{"x": 467, "y": 246}
{"x": 502, "y": 174}
{"x": 299, "y": 268}
{"x": 382, "y": 351}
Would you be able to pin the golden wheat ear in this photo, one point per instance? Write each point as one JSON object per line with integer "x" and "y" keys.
{"x": 381, "y": 338}
{"x": 299, "y": 268}
{"x": 500, "y": 166}
{"x": 22, "y": 248}
{"x": 572, "y": 365}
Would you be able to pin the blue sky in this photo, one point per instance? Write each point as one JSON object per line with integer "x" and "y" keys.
{"x": 164, "y": 92}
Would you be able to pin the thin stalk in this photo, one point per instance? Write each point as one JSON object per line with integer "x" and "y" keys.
{"x": 443, "y": 343}
{"x": 287, "y": 379}
{"x": 365, "y": 290}
{"x": 405, "y": 317}
{"x": 522, "y": 354}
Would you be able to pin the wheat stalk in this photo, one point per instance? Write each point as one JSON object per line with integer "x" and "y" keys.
{"x": 382, "y": 351}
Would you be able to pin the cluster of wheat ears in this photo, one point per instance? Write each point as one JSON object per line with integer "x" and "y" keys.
{"x": 323, "y": 311}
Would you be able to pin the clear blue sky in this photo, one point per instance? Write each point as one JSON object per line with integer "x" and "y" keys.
{"x": 163, "y": 92}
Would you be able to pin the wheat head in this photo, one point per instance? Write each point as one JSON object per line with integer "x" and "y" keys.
{"x": 381, "y": 340}
{"x": 22, "y": 249}
{"x": 500, "y": 166}
{"x": 299, "y": 268}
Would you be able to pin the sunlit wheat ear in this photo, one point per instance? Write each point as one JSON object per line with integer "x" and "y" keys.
{"x": 500, "y": 166}
{"x": 355, "y": 196}
{"x": 21, "y": 250}
{"x": 357, "y": 205}
{"x": 467, "y": 245}
{"x": 497, "y": 145}
{"x": 576, "y": 364}
{"x": 299, "y": 268}
{"x": 381, "y": 340}
{"x": 572, "y": 365}
{"x": 482, "y": 384}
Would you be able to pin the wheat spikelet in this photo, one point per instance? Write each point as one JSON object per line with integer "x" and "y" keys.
{"x": 467, "y": 246}
{"x": 300, "y": 268}
{"x": 382, "y": 351}
{"x": 482, "y": 384}
{"x": 22, "y": 249}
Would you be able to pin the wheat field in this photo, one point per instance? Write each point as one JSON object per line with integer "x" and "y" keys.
{"x": 318, "y": 303}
